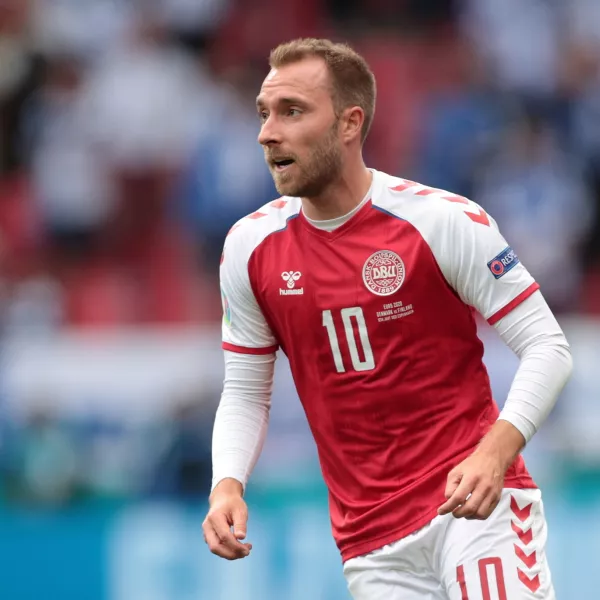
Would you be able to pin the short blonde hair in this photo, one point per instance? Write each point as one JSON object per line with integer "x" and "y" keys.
{"x": 353, "y": 81}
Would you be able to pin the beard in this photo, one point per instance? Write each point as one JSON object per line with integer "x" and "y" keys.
{"x": 311, "y": 178}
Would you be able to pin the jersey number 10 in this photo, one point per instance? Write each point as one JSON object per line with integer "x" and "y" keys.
{"x": 348, "y": 315}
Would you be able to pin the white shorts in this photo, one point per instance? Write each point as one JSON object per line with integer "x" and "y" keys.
{"x": 501, "y": 558}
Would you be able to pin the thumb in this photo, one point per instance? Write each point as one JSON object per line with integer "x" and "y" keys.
{"x": 454, "y": 479}
{"x": 240, "y": 519}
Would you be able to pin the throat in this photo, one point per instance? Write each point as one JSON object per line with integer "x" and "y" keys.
{"x": 333, "y": 224}
{"x": 348, "y": 191}
{"x": 342, "y": 198}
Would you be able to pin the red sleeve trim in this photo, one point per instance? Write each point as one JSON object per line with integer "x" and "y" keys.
{"x": 513, "y": 303}
{"x": 243, "y": 350}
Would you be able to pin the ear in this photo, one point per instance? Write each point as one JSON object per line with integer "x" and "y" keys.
{"x": 352, "y": 121}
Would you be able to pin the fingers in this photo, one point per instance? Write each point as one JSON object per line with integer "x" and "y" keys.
{"x": 221, "y": 541}
{"x": 458, "y": 497}
{"x": 472, "y": 499}
{"x": 222, "y": 528}
{"x": 214, "y": 544}
{"x": 240, "y": 520}
{"x": 454, "y": 478}
{"x": 472, "y": 503}
{"x": 486, "y": 508}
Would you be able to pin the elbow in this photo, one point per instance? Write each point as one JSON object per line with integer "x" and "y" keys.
{"x": 568, "y": 360}
{"x": 556, "y": 353}
{"x": 563, "y": 359}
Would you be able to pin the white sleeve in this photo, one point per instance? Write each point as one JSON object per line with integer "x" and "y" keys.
{"x": 244, "y": 327}
{"x": 533, "y": 333}
{"x": 477, "y": 261}
{"x": 242, "y": 418}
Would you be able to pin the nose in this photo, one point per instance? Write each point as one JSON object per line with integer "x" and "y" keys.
{"x": 269, "y": 133}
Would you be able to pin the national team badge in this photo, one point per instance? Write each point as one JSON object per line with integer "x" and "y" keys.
{"x": 384, "y": 273}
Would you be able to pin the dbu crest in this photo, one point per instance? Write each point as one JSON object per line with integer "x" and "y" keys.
{"x": 383, "y": 273}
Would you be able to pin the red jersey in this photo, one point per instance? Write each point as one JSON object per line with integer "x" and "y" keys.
{"x": 377, "y": 320}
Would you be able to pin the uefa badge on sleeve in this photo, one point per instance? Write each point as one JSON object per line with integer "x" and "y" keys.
{"x": 503, "y": 263}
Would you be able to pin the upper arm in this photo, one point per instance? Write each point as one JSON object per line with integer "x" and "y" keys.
{"x": 244, "y": 328}
{"x": 478, "y": 262}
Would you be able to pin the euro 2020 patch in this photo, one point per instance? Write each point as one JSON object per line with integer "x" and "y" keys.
{"x": 226, "y": 309}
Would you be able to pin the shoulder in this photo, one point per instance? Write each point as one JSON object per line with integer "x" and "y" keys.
{"x": 253, "y": 229}
{"x": 425, "y": 207}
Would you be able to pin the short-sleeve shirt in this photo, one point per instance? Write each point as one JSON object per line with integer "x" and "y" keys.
{"x": 377, "y": 321}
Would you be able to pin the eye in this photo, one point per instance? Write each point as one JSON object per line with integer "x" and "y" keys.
{"x": 294, "y": 112}
{"x": 263, "y": 115}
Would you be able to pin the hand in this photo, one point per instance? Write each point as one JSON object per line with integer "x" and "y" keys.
{"x": 227, "y": 510}
{"x": 474, "y": 487}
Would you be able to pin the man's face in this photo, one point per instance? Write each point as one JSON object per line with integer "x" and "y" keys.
{"x": 299, "y": 131}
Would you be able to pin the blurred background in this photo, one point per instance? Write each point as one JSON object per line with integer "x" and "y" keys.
{"x": 127, "y": 150}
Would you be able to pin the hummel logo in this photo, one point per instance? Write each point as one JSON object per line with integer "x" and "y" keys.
{"x": 290, "y": 277}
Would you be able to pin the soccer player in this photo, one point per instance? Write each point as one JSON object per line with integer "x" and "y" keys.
{"x": 369, "y": 284}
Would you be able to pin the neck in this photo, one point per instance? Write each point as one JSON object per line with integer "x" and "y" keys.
{"x": 341, "y": 196}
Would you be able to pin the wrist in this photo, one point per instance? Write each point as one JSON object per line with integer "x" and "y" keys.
{"x": 227, "y": 486}
{"x": 504, "y": 442}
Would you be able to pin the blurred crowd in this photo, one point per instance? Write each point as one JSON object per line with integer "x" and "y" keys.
{"x": 128, "y": 148}
{"x": 49, "y": 460}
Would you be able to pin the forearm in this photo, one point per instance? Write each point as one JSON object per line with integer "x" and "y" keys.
{"x": 533, "y": 333}
{"x": 242, "y": 418}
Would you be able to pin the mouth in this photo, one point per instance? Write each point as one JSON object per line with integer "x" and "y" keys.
{"x": 281, "y": 165}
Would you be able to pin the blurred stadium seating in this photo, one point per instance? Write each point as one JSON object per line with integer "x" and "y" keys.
{"x": 127, "y": 150}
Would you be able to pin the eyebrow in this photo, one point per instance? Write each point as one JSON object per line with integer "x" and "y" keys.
{"x": 287, "y": 100}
